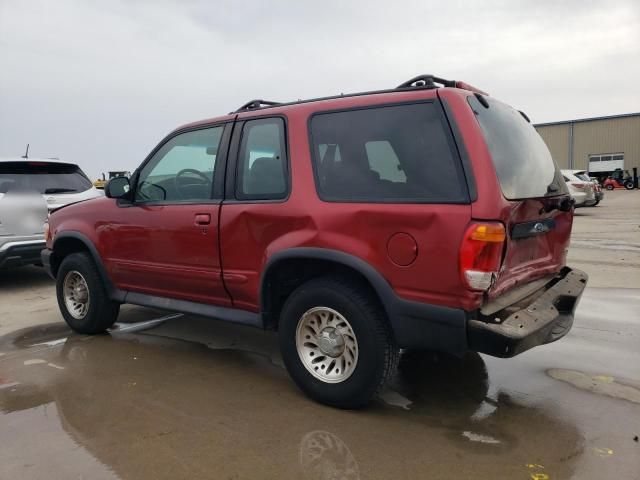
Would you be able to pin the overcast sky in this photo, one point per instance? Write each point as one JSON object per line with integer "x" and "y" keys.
{"x": 100, "y": 83}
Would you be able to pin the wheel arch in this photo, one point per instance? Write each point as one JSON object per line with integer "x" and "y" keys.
{"x": 66, "y": 243}
{"x": 287, "y": 269}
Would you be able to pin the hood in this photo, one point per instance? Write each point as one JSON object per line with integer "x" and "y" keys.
{"x": 58, "y": 200}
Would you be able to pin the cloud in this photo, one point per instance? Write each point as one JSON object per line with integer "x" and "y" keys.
{"x": 100, "y": 83}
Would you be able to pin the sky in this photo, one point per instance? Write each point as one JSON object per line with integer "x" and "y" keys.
{"x": 100, "y": 83}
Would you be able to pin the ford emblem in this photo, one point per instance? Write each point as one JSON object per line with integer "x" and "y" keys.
{"x": 540, "y": 227}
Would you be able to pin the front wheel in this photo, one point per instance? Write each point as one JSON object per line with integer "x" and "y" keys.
{"x": 609, "y": 187}
{"x": 336, "y": 342}
{"x": 628, "y": 185}
{"x": 82, "y": 296}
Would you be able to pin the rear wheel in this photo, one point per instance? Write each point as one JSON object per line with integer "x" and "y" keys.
{"x": 609, "y": 187}
{"x": 336, "y": 342}
{"x": 82, "y": 296}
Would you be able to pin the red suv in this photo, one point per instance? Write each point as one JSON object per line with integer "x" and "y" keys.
{"x": 429, "y": 216}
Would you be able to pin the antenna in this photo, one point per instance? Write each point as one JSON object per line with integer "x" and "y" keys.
{"x": 26, "y": 154}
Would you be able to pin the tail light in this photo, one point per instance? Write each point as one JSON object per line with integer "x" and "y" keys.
{"x": 47, "y": 232}
{"x": 481, "y": 254}
{"x": 578, "y": 184}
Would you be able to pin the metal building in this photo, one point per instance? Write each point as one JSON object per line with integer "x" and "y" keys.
{"x": 600, "y": 144}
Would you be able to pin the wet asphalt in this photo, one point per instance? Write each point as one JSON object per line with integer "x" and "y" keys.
{"x": 172, "y": 396}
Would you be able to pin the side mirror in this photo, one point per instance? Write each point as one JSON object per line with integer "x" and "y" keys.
{"x": 117, "y": 187}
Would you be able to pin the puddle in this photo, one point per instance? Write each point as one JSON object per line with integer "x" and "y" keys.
{"x": 606, "y": 244}
{"x": 182, "y": 397}
{"x": 34, "y": 361}
{"x": 144, "y": 325}
{"x": 51, "y": 343}
{"x": 394, "y": 399}
{"x": 476, "y": 437}
{"x": 324, "y": 456}
{"x": 600, "y": 384}
{"x": 122, "y": 396}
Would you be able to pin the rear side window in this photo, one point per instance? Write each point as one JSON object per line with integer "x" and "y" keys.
{"x": 262, "y": 161}
{"x": 399, "y": 153}
{"x": 43, "y": 177}
{"x": 522, "y": 160}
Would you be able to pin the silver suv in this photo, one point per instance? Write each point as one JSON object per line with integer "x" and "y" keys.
{"x": 29, "y": 189}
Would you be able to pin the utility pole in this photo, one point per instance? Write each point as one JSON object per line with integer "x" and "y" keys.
{"x": 26, "y": 154}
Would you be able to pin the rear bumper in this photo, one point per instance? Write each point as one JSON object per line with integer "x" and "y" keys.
{"x": 580, "y": 199}
{"x": 544, "y": 317}
{"x": 19, "y": 253}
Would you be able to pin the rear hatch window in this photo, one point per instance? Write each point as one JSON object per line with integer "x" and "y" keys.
{"x": 522, "y": 160}
{"x": 42, "y": 177}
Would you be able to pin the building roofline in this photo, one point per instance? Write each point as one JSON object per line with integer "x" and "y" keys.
{"x": 590, "y": 119}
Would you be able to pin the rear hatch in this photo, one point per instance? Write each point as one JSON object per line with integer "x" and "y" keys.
{"x": 58, "y": 183}
{"x": 539, "y": 215}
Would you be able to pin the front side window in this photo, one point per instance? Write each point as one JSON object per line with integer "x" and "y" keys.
{"x": 399, "y": 153}
{"x": 182, "y": 169}
{"x": 262, "y": 162}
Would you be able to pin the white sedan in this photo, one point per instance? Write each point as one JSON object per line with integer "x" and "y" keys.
{"x": 581, "y": 191}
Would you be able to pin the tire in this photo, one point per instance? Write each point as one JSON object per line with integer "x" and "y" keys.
{"x": 609, "y": 187}
{"x": 628, "y": 185}
{"x": 77, "y": 279}
{"x": 355, "y": 311}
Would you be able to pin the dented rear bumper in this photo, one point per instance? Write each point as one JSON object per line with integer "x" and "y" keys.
{"x": 543, "y": 317}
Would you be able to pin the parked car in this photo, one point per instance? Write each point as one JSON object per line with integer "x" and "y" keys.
{"x": 29, "y": 188}
{"x": 597, "y": 189}
{"x": 583, "y": 192}
{"x": 430, "y": 216}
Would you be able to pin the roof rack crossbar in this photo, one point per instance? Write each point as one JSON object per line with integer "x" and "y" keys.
{"x": 253, "y": 104}
{"x": 426, "y": 81}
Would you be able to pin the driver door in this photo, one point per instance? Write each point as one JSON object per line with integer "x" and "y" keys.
{"x": 165, "y": 242}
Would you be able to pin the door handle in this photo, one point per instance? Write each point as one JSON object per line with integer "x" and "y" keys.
{"x": 203, "y": 219}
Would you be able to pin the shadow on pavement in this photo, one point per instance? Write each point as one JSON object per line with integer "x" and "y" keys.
{"x": 18, "y": 278}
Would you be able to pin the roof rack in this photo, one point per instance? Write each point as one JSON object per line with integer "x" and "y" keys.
{"x": 253, "y": 104}
{"x": 429, "y": 81}
{"x": 426, "y": 81}
{"x": 419, "y": 82}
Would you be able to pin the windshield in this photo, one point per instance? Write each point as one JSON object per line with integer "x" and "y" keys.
{"x": 523, "y": 163}
{"x": 43, "y": 177}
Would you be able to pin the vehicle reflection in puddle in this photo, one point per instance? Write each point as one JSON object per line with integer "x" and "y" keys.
{"x": 324, "y": 456}
{"x": 148, "y": 406}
